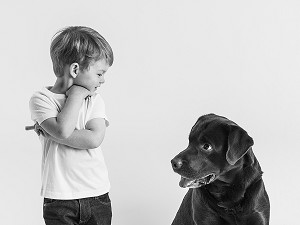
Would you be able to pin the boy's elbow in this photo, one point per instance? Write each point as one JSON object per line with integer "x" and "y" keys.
{"x": 96, "y": 141}
{"x": 95, "y": 144}
{"x": 63, "y": 134}
{"x": 62, "y": 130}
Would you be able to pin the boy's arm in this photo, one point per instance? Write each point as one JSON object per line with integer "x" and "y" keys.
{"x": 88, "y": 138}
{"x": 62, "y": 126}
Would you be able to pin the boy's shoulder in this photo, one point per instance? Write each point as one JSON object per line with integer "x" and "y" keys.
{"x": 39, "y": 94}
{"x": 96, "y": 108}
{"x": 45, "y": 99}
{"x": 96, "y": 99}
{"x": 46, "y": 93}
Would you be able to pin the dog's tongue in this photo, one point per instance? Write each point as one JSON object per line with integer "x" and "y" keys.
{"x": 184, "y": 182}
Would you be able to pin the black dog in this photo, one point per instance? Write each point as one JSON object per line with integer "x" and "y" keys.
{"x": 224, "y": 177}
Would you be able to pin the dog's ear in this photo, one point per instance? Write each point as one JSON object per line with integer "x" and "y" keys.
{"x": 239, "y": 142}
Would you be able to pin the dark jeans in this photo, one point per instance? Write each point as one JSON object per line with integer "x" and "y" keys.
{"x": 86, "y": 211}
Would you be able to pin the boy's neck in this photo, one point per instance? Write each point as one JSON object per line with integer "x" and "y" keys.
{"x": 61, "y": 85}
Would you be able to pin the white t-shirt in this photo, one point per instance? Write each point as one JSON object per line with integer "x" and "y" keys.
{"x": 69, "y": 173}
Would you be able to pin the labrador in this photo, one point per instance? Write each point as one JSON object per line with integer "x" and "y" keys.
{"x": 223, "y": 176}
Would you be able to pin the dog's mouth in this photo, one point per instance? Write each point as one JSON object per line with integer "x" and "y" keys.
{"x": 195, "y": 183}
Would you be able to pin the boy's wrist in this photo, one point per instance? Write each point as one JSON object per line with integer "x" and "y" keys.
{"x": 80, "y": 86}
{"x": 78, "y": 90}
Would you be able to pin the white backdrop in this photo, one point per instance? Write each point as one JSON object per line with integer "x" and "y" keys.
{"x": 174, "y": 61}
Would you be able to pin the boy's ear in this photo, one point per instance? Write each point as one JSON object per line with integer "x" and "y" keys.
{"x": 74, "y": 69}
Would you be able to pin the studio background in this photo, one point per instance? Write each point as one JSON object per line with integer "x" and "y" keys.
{"x": 174, "y": 61}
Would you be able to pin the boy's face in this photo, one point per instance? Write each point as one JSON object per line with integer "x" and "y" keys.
{"x": 92, "y": 77}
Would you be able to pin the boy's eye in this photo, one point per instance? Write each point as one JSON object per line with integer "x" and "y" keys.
{"x": 100, "y": 75}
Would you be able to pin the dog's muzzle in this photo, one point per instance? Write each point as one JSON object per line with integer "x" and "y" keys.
{"x": 198, "y": 182}
{"x": 178, "y": 164}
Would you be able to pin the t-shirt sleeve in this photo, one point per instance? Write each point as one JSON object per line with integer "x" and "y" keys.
{"x": 41, "y": 108}
{"x": 98, "y": 109}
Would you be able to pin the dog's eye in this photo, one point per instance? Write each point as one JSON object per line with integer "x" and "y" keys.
{"x": 207, "y": 147}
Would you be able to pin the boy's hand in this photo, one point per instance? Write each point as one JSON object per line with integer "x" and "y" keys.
{"x": 79, "y": 90}
{"x": 40, "y": 131}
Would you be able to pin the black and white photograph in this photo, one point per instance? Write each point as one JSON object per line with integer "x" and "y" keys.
{"x": 161, "y": 112}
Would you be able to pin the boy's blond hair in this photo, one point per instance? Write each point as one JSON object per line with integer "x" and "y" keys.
{"x": 78, "y": 44}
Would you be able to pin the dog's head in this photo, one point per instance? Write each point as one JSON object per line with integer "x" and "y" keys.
{"x": 216, "y": 146}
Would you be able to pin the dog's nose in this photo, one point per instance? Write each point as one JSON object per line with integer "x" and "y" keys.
{"x": 176, "y": 163}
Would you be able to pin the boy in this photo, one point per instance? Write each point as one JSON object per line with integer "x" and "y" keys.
{"x": 71, "y": 119}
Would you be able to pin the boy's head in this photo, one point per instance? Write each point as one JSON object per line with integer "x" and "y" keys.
{"x": 80, "y": 45}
